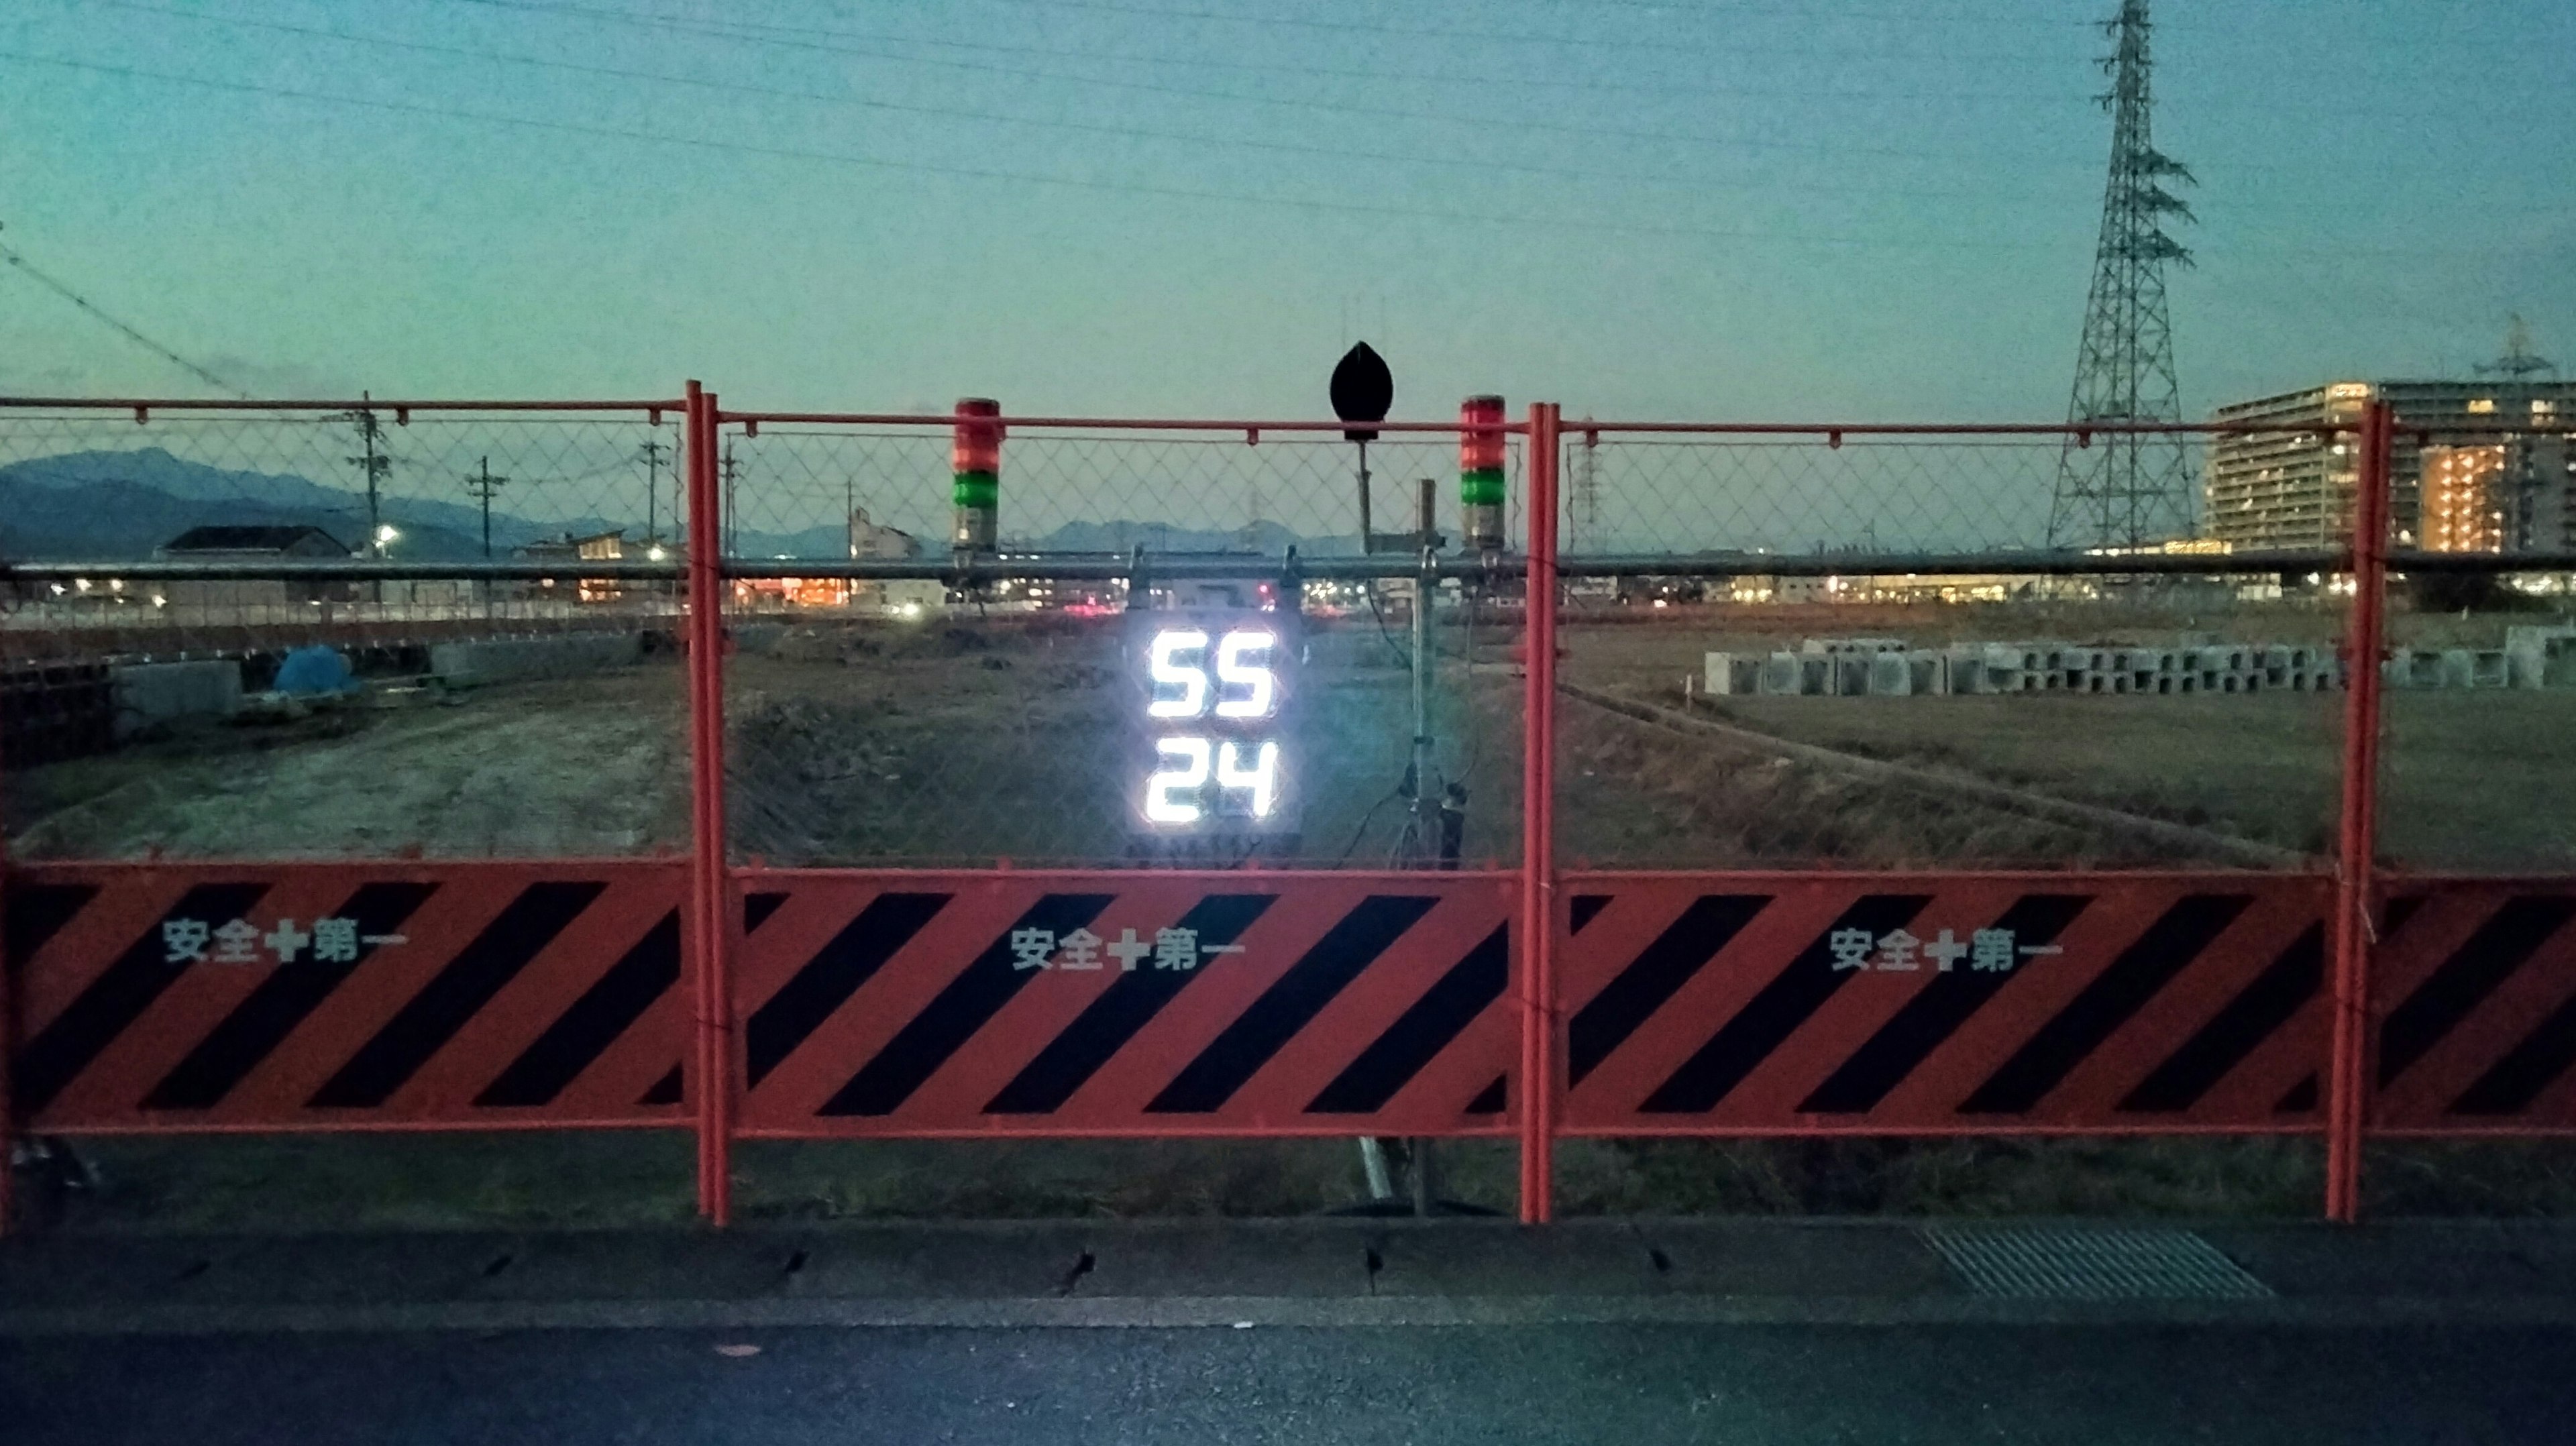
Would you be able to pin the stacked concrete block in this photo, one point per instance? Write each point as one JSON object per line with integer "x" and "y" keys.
{"x": 1963, "y": 670}
{"x": 1869, "y": 668}
{"x": 2412, "y": 668}
{"x": 1908, "y": 674}
{"x": 2541, "y": 657}
{"x": 1733, "y": 673}
{"x": 149, "y": 694}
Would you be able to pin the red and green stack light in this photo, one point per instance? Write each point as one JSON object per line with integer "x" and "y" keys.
{"x": 1480, "y": 473}
{"x": 977, "y": 461}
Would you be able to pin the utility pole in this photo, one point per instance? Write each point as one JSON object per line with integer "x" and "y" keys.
{"x": 732, "y": 474}
{"x": 2127, "y": 489}
{"x": 481, "y": 485}
{"x": 373, "y": 464}
{"x": 653, "y": 453}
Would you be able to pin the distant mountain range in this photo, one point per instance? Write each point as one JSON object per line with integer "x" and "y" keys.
{"x": 118, "y": 506}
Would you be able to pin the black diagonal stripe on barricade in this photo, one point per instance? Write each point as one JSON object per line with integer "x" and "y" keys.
{"x": 37, "y": 912}
{"x": 1491, "y": 1099}
{"x": 1109, "y": 1021}
{"x": 952, "y": 1016}
{"x": 2113, "y": 998}
{"x": 119, "y": 995}
{"x": 1771, "y": 1016}
{"x": 2300, "y": 1099}
{"x": 757, "y": 907}
{"x": 607, "y": 1009}
{"x": 2488, "y": 957}
{"x": 665, "y": 1091}
{"x": 2253, "y": 1016}
{"x": 456, "y": 994}
{"x": 825, "y": 982}
{"x": 1937, "y": 1010}
{"x": 1657, "y": 973}
{"x": 1290, "y": 1003}
{"x": 1419, "y": 1034}
{"x": 1583, "y": 909}
{"x": 290, "y": 993}
{"x": 2509, "y": 1087}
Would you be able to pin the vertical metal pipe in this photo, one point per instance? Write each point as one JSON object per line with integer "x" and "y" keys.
{"x": 1425, "y": 834}
{"x": 2348, "y": 1079}
{"x": 1538, "y": 1074}
{"x": 710, "y": 918}
{"x": 9, "y": 971}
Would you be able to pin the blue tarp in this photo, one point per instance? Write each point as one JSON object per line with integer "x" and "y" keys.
{"x": 308, "y": 672}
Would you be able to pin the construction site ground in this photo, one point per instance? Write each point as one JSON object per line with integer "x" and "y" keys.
{"x": 886, "y": 744}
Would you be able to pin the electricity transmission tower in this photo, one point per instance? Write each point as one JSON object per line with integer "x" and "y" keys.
{"x": 2124, "y": 490}
{"x": 2518, "y": 363}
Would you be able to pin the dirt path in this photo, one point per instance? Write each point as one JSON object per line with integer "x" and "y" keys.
{"x": 592, "y": 766}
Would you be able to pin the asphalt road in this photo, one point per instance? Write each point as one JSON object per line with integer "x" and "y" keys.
{"x": 1631, "y": 1385}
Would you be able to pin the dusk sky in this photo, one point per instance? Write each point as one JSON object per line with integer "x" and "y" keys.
{"x": 1771, "y": 210}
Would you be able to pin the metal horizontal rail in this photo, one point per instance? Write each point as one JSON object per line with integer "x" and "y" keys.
{"x": 1106, "y": 424}
{"x": 1830, "y": 430}
{"x": 1184, "y": 567}
{"x": 1153, "y": 568}
{"x": 1940, "y": 564}
{"x": 367, "y": 404}
{"x": 2494, "y": 563}
{"x": 356, "y": 570}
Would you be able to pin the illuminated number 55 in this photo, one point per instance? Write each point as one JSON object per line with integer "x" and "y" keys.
{"x": 1191, "y": 774}
{"x": 1242, "y": 661}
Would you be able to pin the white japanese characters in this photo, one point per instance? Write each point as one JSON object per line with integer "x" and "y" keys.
{"x": 1991, "y": 951}
{"x": 239, "y": 941}
{"x": 1081, "y": 949}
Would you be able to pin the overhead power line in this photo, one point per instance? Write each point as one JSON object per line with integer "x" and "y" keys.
{"x": 735, "y": 32}
{"x": 1201, "y": 138}
{"x": 118, "y": 325}
{"x": 1560, "y": 40}
{"x": 1328, "y": 207}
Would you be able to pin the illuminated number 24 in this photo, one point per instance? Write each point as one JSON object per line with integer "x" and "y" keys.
{"x": 1242, "y": 661}
{"x": 1184, "y": 765}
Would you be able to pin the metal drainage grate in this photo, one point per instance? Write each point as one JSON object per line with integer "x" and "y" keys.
{"x": 2043, "y": 1263}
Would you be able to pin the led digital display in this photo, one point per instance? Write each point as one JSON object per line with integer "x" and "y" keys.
{"x": 1216, "y": 756}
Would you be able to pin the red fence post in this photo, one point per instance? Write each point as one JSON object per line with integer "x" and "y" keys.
{"x": 8, "y": 1039}
{"x": 2348, "y": 1081}
{"x": 710, "y": 921}
{"x": 1538, "y": 833}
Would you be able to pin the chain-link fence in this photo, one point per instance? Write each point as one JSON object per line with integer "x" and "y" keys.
{"x": 356, "y": 630}
{"x": 2480, "y": 672}
{"x": 888, "y": 706}
{"x": 1953, "y": 646}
